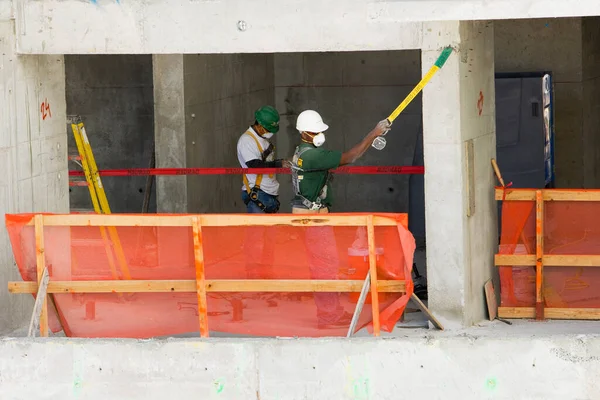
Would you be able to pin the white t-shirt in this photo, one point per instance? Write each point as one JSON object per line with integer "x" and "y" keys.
{"x": 246, "y": 151}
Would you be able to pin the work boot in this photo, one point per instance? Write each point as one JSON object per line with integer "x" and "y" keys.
{"x": 342, "y": 322}
{"x": 421, "y": 292}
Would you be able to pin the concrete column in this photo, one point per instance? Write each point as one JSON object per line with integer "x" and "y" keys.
{"x": 169, "y": 131}
{"x": 459, "y": 141}
{"x": 33, "y": 151}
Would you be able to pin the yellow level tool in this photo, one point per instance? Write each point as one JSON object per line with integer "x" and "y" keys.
{"x": 439, "y": 63}
{"x": 99, "y": 200}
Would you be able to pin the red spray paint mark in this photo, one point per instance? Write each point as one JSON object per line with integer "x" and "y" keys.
{"x": 45, "y": 110}
{"x": 480, "y": 102}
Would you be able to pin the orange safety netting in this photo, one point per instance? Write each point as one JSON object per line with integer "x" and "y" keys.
{"x": 240, "y": 252}
{"x": 569, "y": 228}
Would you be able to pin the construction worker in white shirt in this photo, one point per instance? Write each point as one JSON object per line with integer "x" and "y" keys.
{"x": 260, "y": 195}
{"x": 254, "y": 150}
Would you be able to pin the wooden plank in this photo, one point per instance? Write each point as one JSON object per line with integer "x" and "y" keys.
{"x": 427, "y": 313}
{"x": 359, "y": 305}
{"x": 373, "y": 273}
{"x": 216, "y": 220}
{"x": 514, "y": 260}
{"x": 200, "y": 282}
{"x": 571, "y": 260}
{"x": 41, "y": 266}
{"x": 497, "y": 172}
{"x": 226, "y": 285}
{"x": 34, "y": 322}
{"x": 539, "y": 253}
{"x": 118, "y": 220}
{"x": 491, "y": 301}
{"x": 571, "y": 195}
{"x": 189, "y": 286}
{"x": 550, "y": 313}
{"x": 565, "y": 260}
{"x": 549, "y": 194}
{"x": 518, "y": 312}
{"x": 514, "y": 194}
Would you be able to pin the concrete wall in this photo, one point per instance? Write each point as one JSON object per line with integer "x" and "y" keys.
{"x": 221, "y": 94}
{"x": 170, "y": 26}
{"x": 33, "y": 144}
{"x": 113, "y": 95}
{"x": 591, "y": 101}
{"x": 469, "y": 367}
{"x": 352, "y": 92}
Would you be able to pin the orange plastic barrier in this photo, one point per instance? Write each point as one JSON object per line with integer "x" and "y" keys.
{"x": 549, "y": 254}
{"x": 253, "y": 275}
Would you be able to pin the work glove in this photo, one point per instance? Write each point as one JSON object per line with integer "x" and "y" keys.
{"x": 383, "y": 127}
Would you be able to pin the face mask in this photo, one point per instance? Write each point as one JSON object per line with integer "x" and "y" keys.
{"x": 319, "y": 139}
{"x": 267, "y": 135}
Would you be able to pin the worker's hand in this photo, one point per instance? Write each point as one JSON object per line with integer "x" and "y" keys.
{"x": 286, "y": 164}
{"x": 382, "y": 127}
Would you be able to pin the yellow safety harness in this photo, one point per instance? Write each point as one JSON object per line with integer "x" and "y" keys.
{"x": 253, "y": 192}
{"x": 258, "y": 177}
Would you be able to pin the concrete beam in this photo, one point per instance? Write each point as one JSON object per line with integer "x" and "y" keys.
{"x": 172, "y": 26}
{"x": 237, "y": 26}
{"x": 463, "y": 367}
{"x": 477, "y": 10}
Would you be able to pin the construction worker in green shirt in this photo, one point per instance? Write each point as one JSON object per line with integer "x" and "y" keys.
{"x": 311, "y": 167}
{"x": 311, "y": 163}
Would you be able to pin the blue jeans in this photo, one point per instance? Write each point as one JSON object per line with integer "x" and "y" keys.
{"x": 269, "y": 201}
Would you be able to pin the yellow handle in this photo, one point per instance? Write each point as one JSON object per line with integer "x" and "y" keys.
{"x": 413, "y": 94}
{"x": 435, "y": 68}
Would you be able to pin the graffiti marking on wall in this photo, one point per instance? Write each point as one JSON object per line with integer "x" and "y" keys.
{"x": 480, "y": 102}
{"x": 45, "y": 110}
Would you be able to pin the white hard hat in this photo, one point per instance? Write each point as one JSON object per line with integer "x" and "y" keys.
{"x": 310, "y": 121}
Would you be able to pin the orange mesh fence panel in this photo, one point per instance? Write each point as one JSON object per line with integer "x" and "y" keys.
{"x": 517, "y": 284}
{"x": 570, "y": 228}
{"x": 279, "y": 252}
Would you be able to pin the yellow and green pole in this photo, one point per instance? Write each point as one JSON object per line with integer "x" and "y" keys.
{"x": 439, "y": 63}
